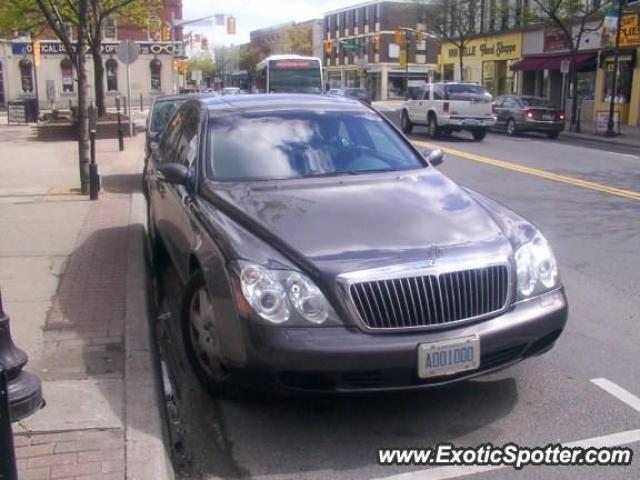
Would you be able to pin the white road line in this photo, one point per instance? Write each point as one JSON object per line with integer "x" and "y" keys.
{"x": 444, "y": 473}
{"x": 618, "y": 392}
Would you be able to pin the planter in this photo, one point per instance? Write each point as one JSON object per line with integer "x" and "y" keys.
{"x": 56, "y": 132}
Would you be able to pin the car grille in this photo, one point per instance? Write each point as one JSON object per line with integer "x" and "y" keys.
{"x": 431, "y": 300}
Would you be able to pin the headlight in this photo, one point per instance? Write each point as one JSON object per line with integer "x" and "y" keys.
{"x": 280, "y": 296}
{"x": 537, "y": 267}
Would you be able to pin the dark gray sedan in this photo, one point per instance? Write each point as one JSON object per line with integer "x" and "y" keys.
{"x": 528, "y": 114}
{"x": 320, "y": 251}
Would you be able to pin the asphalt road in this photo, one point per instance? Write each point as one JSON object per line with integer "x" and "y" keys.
{"x": 595, "y": 233}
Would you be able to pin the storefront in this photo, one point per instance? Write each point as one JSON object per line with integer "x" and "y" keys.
{"x": 627, "y": 88}
{"x": 151, "y": 73}
{"x": 486, "y": 60}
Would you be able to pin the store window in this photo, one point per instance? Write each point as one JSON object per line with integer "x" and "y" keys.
{"x": 111, "y": 66}
{"x": 623, "y": 87}
{"x": 366, "y": 15}
{"x": 447, "y": 72}
{"x": 586, "y": 86}
{"x": 377, "y": 17}
{"x": 155, "y": 67}
{"x": 26, "y": 75}
{"x": 66, "y": 69}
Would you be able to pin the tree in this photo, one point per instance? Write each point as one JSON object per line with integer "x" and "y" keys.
{"x": 136, "y": 12}
{"x": 202, "y": 62}
{"x": 249, "y": 58}
{"x": 574, "y": 18}
{"x": 293, "y": 40}
{"x": 453, "y": 21}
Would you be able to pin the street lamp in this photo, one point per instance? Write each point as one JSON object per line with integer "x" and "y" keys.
{"x": 616, "y": 62}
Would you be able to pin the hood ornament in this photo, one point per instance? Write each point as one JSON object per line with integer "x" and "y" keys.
{"x": 433, "y": 254}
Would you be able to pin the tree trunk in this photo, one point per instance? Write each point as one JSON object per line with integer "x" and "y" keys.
{"x": 83, "y": 103}
{"x": 461, "y": 60}
{"x": 98, "y": 80}
{"x": 574, "y": 88}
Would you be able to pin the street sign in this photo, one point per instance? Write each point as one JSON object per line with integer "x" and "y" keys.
{"x": 565, "y": 66}
{"x": 128, "y": 51}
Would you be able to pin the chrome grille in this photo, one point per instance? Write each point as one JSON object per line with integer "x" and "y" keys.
{"x": 431, "y": 300}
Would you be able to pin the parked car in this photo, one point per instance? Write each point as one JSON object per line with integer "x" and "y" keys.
{"x": 446, "y": 107}
{"x": 528, "y": 114}
{"x": 231, "y": 91}
{"x": 356, "y": 93}
{"x": 320, "y": 251}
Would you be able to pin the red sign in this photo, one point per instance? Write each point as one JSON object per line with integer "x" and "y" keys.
{"x": 292, "y": 64}
{"x": 555, "y": 39}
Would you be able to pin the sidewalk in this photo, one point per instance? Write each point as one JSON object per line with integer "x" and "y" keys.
{"x": 629, "y": 136}
{"x": 74, "y": 278}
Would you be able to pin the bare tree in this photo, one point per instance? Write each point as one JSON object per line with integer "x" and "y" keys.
{"x": 574, "y": 18}
{"x": 453, "y": 21}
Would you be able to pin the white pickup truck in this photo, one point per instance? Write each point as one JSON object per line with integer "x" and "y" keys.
{"x": 445, "y": 107}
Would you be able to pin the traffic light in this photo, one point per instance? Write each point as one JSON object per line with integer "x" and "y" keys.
{"x": 376, "y": 42}
{"x": 328, "y": 46}
{"x": 399, "y": 37}
{"x": 166, "y": 33}
{"x": 231, "y": 25}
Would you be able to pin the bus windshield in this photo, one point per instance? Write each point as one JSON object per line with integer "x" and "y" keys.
{"x": 302, "y": 76}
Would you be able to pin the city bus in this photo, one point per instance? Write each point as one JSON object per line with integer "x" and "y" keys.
{"x": 289, "y": 74}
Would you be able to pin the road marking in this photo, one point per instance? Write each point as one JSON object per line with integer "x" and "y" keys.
{"x": 620, "y": 192}
{"x": 618, "y": 392}
{"x": 444, "y": 473}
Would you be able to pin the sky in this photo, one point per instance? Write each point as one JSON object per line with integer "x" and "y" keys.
{"x": 254, "y": 14}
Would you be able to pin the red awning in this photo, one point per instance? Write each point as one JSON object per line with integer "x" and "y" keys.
{"x": 551, "y": 62}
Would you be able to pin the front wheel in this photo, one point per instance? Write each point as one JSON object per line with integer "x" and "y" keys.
{"x": 405, "y": 123}
{"x": 432, "y": 126}
{"x": 479, "y": 134}
{"x": 200, "y": 336}
{"x": 511, "y": 127}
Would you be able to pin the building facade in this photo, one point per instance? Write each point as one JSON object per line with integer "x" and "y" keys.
{"x": 374, "y": 62}
{"x": 54, "y": 81}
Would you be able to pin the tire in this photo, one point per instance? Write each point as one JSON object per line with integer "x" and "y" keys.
{"x": 553, "y": 135}
{"x": 511, "y": 128}
{"x": 479, "y": 134}
{"x": 198, "y": 333}
{"x": 405, "y": 123}
{"x": 432, "y": 126}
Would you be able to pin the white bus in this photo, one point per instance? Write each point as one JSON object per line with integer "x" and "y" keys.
{"x": 289, "y": 74}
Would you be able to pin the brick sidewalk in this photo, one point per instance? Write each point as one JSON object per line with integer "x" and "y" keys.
{"x": 102, "y": 419}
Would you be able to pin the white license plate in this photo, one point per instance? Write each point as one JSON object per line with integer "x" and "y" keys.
{"x": 547, "y": 117}
{"x": 447, "y": 357}
{"x": 470, "y": 122}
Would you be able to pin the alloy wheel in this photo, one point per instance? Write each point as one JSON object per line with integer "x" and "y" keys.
{"x": 511, "y": 127}
{"x": 202, "y": 334}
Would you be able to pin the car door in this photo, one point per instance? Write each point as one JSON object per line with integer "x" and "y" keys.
{"x": 157, "y": 190}
{"x": 510, "y": 109}
{"x": 498, "y": 106}
{"x": 179, "y": 232}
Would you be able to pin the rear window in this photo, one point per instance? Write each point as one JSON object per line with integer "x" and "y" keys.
{"x": 466, "y": 91}
{"x": 536, "y": 102}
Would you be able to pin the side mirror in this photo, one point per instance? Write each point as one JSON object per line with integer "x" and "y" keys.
{"x": 172, "y": 173}
{"x": 155, "y": 137}
{"x": 434, "y": 157}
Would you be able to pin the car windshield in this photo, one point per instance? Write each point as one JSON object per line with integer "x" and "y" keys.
{"x": 466, "y": 91}
{"x": 162, "y": 113}
{"x": 536, "y": 102}
{"x": 296, "y": 144}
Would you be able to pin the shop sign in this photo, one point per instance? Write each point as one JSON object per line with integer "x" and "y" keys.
{"x": 57, "y": 48}
{"x": 502, "y": 48}
{"x": 602, "y": 120}
{"x": 630, "y": 31}
{"x": 555, "y": 39}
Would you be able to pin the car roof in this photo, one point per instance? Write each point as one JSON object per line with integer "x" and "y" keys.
{"x": 278, "y": 101}
{"x": 181, "y": 96}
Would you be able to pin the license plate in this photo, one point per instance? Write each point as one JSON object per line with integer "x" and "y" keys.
{"x": 447, "y": 357}
{"x": 470, "y": 122}
{"x": 547, "y": 117}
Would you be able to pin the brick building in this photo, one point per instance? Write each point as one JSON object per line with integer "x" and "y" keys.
{"x": 151, "y": 74}
{"x": 374, "y": 65}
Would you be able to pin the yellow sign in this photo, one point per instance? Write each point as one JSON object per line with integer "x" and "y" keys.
{"x": 36, "y": 52}
{"x": 495, "y": 47}
{"x": 403, "y": 57}
{"x": 629, "y": 31}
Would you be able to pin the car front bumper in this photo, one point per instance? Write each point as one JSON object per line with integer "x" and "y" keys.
{"x": 347, "y": 359}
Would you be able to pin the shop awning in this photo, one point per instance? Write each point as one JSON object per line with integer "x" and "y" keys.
{"x": 552, "y": 62}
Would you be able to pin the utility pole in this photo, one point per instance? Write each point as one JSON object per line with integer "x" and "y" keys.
{"x": 616, "y": 63}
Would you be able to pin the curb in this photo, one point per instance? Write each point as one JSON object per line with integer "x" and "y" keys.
{"x": 145, "y": 452}
{"x": 596, "y": 139}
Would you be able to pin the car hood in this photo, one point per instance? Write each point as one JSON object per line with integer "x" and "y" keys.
{"x": 350, "y": 223}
